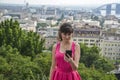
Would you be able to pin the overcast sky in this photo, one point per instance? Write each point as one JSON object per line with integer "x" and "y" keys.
{"x": 62, "y": 2}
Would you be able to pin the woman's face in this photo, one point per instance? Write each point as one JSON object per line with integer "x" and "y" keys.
{"x": 66, "y": 36}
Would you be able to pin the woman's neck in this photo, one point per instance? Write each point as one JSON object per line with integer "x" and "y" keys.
{"x": 66, "y": 42}
{"x": 65, "y": 45}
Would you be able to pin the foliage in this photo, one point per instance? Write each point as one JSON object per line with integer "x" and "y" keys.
{"x": 14, "y": 66}
{"x": 94, "y": 74}
{"x": 104, "y": 64}
{"x": 27, "y": 43}
{"x": 43, "y": 60}
{"x": 90, "y": 57}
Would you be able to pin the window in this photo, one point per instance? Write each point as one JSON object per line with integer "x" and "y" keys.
{"x": 112, "y": 44}
{"x": 86, "y": 40}
{"x": 74, "y": 39}
{"x": 92, "y": 40}
{"x": 86, "y": 43}
{"x": 92, "y": 44}
{"x": 80, "y": 40}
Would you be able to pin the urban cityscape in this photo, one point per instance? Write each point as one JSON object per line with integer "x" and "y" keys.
{"x": 96, "y": 26}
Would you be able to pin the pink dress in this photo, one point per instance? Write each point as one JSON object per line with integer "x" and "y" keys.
{"x": 63, "y": 70}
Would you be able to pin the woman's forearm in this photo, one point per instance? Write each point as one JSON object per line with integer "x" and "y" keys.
{"x": 51, "y": 71}
{"x": 50, "y": 76}
{"x": 73, "y": 64}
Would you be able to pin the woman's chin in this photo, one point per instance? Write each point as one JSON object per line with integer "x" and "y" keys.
{"x": 67, "y": 40}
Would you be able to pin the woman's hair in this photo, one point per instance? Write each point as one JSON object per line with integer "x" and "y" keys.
{"x": 64, "y": 28}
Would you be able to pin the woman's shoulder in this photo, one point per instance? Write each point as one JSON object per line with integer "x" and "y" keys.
{"x": 56, "y": 44}
{"x": 76, "y": 44}
{"x": 54, "y": 48}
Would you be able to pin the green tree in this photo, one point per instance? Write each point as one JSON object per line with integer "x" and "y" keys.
{"x": 28, "y": 43}
{"x": 43, "y": 60}
{"x": 93, "y": 74}
{"x": 15, "y": 66}
{"x": 89, "y": 55}
{"x": 103, "y": 64}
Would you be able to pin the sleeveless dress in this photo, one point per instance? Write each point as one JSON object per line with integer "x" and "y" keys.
{"x": 63, "y": 69}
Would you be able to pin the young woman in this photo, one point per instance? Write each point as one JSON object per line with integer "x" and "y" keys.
{"x": 64, "y": 67}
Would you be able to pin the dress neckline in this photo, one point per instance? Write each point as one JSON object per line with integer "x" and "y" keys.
{"x": 60, "y": 50}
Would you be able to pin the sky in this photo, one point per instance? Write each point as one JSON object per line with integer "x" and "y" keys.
{"x": 62, "y": 2}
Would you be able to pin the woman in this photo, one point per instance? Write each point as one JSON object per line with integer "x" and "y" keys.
{"x": 64, "y": 67}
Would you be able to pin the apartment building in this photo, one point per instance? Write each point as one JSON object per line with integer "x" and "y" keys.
{"x": 51, "y": 36}
{"x": 110, "y": 48}
{"x": 92, "y": 23}
{"x": 89, "y": 36}
{"x": 88, "y": 41}
{"x": 52, "y": 31}
{"x": 28, "y": 25}
{"x": 42, "y": 32}
{"x": 50, "y": 41}
{"x": 110, "y": 44}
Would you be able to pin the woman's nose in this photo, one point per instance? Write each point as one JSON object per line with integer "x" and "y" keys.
{"x": 67, "y": 36}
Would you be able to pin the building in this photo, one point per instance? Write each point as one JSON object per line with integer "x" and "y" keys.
{"x": 50, "y": 41}
{"x": 108, "y": 9}
{"x": 87, "y": 35}
{"x": 110, "y": 45}
{"x": 52, "y": 31}
{"x": 28, "y": 25}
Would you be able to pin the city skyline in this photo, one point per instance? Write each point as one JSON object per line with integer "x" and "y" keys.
{"x": 60, "y": 2}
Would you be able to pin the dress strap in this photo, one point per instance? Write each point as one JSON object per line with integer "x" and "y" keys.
{"x": 57, "y": 46}
{"x": 73, "y": 48}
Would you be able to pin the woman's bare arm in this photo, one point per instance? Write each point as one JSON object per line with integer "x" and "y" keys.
{"x": 74, "y": 63}
{"x": 53, "y": 61}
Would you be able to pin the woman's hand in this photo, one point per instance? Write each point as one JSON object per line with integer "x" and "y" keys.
{"x": 68, "y": 58}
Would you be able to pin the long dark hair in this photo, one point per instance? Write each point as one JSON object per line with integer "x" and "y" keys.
{"x": 64, "y": 28}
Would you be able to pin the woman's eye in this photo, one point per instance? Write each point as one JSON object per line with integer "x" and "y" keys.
{"x": 64, "y": 34}
{"x": 69, "y": 34}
